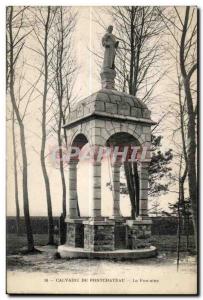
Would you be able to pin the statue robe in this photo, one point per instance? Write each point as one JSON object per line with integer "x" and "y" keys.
{"x": 109, "y": 42}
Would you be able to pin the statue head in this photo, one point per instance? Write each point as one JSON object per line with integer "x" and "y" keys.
{"x": 110, "y": 29}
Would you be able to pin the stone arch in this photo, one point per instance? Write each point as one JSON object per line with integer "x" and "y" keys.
{"x": 122, "y": 139}
{"x": 128, "y": 131}
{"x": 79, "y": 140}
{"x": 79, "y": 136}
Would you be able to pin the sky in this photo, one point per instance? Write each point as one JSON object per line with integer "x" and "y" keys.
{"x": 87, "y": 37}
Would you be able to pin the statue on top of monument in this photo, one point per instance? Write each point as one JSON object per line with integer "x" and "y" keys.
{"x": 110, "y": 44}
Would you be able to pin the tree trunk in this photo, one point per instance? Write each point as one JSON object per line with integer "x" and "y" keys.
{"x": 131, "y": 188}
{"x": 25, "y": 177}
{"x": 131, "y": 172}
{"x": 187, "y": 230}
{"x": 25, "y": 192}
{"x": 132, "y": 51}
{"x": 183, "y": 177}
{"x": 43, "y": 144}
{"x": 137, "y": 187}
{"x": 30, "y": 240}
{"x": 63, "y": 182}
{"x": 180, "y": 201}
{"x": 178, "y": 234}
{"x": 191, "y": 150}
{"x": 191, "y": 156}
{"x": 15, "y": 176}
{"x": 138, "y": 42}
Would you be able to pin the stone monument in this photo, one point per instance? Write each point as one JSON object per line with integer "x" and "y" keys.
{"x": 108, "y": 72}
{"x": 108, "y": 117}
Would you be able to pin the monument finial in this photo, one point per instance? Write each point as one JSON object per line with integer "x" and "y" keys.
{"x": 108, "y": 72}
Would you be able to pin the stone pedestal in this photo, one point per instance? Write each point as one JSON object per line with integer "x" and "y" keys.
{"x": 75, "y": 233}
{"x": 108, "y": 78}
{"x": 102, "y": 238}
{"x": 121, "y": 234}
{"x": 99, "y": 235}
{"x": 139, "y": 233}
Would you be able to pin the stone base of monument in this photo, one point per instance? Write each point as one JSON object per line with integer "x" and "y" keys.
{"x": 108, "y": 238}
{"x": 121, "y": 254}
{"x": 139, "y": 233}
{"x": 75, "y": 232}
{"x": 99, "y": 235}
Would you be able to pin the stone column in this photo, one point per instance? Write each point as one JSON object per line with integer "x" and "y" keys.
{"x": 72, "y": 197}
{"x": 115, "y": 166}
{"x": 144, "y": 179}
{"x": 96, "y": 190}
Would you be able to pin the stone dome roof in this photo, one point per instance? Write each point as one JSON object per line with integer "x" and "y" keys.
{"x": 110, "y": 103}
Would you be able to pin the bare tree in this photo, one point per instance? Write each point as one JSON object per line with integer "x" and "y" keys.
{"x": 63, "y": 66}
{"x": 16, "y": 35}
{"x": 140, "y": 53}
{"x": 181, "y": 154}
{"x": 41, "y": 20}
{"x": 182, "y": 25}
{"x": 179, "y": 112}
{"x": 138, "y": 64}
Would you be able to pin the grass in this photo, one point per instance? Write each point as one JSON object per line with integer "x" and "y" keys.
{"x": 15, "y": 243}
{"x": 45, "y": 260}
{"x": 169, "y": 243}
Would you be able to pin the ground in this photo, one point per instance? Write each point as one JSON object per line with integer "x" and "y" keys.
{"x": 44, "y": 268}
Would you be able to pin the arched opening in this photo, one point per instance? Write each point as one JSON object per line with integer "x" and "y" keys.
{"x": 79, "y": 140}
{"x": 127, "y": 148}
{"x": 80, "y": 145}
{"x": 122, "y": 139}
